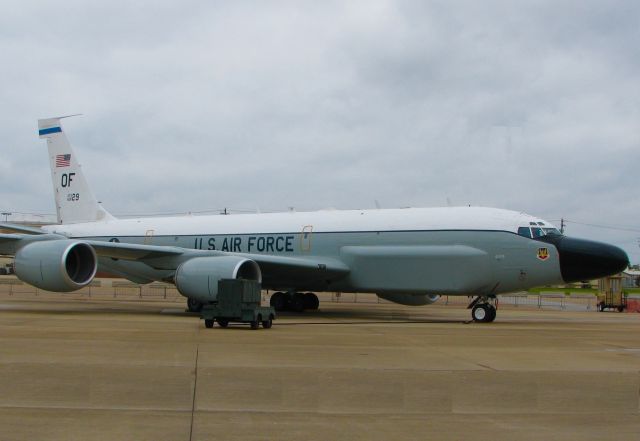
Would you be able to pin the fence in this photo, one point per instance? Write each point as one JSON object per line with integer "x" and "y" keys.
{"x": 124, "y": 290}
{"x": 97, "y": 289}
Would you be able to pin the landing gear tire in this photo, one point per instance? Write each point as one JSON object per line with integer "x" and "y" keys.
{"x": 194, "y": 305}
{"x": 492, "y": 313}
{"x": 297, "y": 302}
{"x": 223, "y": 323}
{"x": 483, "y": 313}
{"x": 208, "y": 323}
{"x": 278, "y": 301}
{"x": 311, "y": 301}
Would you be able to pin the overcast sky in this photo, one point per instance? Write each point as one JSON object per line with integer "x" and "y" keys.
{"x": 200, "y": 105}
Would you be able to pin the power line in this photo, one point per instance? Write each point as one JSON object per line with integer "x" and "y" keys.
{"x": 607, "y": 227}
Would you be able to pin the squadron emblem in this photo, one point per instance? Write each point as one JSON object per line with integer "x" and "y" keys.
{"x": 543, "y": 253}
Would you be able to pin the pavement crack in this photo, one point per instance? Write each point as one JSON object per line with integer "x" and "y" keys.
{"x": 486, "y": 367}
{"x": 195, "y": 385}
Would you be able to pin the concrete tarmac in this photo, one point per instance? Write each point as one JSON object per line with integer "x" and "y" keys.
{"x": 121, "y": 370}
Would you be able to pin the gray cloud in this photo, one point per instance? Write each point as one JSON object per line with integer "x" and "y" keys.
{"x": 530, "y": 105}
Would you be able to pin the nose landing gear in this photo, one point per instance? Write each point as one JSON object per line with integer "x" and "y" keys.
{"x": 483, "y": 309}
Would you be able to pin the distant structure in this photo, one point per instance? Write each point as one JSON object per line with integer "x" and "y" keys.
{"x": 631, "y": 277}
{"x": 34, "y": 220}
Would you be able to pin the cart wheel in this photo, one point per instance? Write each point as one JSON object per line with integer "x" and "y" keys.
{"x": 255, "y": 324}
{"x": 223, "y": 323}
{"x": 208, "y": 323}
{"x": 267, "y": 324}
{"x": 620, "y": 308}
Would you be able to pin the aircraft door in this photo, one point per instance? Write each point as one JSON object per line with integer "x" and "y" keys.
{"x": 148, "y": 237}
{"x": 305, "y": 238}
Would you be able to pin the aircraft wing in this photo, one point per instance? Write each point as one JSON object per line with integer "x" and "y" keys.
{"x": 130, "y": 251}
{"x": 268, "y": 263}
{"x": 8, "y": 241}
{"x": 104, "y": 249}
{"x": 274, "y": 267}
{"x": 10, "y": 237}
{"x": 20, "y": 228}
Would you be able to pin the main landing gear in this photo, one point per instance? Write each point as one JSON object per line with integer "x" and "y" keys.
{"x": 483, "y": 309}
{"x": 294, "y": 301}
{"x": 194, "y": 305}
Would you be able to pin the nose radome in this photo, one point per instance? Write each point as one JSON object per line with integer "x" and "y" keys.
{"x": 582, "y": 259}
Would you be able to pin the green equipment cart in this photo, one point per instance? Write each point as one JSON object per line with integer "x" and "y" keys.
{"x": 239, "y": 301}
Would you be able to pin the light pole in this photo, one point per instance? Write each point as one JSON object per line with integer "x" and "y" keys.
{"x": 6, "y": 215}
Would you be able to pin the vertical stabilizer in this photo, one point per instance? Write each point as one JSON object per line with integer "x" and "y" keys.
{"x": 74, "y": 200}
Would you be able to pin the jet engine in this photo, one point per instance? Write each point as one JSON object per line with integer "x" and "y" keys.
{"x": 410, "y": 299}
{"x": 56, "y": 265}
{"x": 198, "y": 278}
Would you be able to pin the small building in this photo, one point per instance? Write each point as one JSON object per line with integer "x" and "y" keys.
{"x": 631, "y": 278}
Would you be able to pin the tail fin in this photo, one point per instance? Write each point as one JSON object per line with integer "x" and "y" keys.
{"x": 74, "y": 200}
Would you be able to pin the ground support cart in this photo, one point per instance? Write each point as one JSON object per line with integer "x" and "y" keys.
{"x": 239, "y": 301}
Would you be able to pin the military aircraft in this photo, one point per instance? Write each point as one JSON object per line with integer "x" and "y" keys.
{"x": 408, "y": 256}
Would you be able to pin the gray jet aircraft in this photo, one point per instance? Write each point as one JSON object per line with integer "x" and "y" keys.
{"x": 408, "y": 256}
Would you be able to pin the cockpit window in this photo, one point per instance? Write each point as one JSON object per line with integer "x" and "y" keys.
{"x": 534, "y": 232}
{"x": 524, "y": 231}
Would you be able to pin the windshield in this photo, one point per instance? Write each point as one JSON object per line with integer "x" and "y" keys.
{"x": 534, "y": 231}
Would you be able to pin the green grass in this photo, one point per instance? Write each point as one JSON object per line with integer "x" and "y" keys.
{"x": 576, "y": 290}
{"x": 563, "y": 289}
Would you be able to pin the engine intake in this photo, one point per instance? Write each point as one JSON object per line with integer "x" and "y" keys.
{"x": 57, "y": 265}
{"x": 198, "y": 278}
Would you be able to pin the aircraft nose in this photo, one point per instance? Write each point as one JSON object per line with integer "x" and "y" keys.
{"x": 582, "y": 259}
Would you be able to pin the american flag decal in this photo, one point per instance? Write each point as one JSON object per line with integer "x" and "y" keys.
{"x": 63, "y": 160}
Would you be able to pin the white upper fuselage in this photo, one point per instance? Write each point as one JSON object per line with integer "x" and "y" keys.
{"x": 407, "y": 219}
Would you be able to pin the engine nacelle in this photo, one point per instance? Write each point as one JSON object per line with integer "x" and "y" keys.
{"x": 198, "y": 278}
{"x": 410, "y": 299}
{"x": 56, "y": 265}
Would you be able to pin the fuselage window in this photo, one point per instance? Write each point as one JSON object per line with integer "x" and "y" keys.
{"x": 524, "y": 231}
